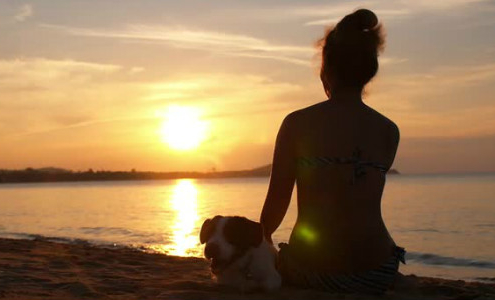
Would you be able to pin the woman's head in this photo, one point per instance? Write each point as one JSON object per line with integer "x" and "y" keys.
{"x": 350, "y": 51}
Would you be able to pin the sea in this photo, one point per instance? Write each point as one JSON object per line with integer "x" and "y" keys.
{"x": 445, "y": 222}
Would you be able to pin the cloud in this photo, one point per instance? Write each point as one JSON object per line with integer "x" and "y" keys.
{"x": 444, "y": 78}
{"x": 387, "y": 60}
{"x": 39, "y": 73}
{"x": 223, "y": 43}
{"x": 442, "y": 101}
{"x": 35, "y": 64}
{"x": 24, "y": 12}
{"x": 40, "y": 95}
{"x": 108, "y": 114}
{"x": 337, "y": 15}
{"x": 219, "y": 42}
{"x": 440, "y": 4}
{"x": 386, "y": 10}
{"x": 135, "y": 70}
{"x": 231, "y": 91}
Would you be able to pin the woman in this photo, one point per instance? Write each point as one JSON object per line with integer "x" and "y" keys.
{"x": 338, "y": 151}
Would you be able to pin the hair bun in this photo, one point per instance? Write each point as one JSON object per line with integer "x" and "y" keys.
{"x": 361, "y": 19}
{"x": 367, "y": 19}
{"x": 350, "y": 51}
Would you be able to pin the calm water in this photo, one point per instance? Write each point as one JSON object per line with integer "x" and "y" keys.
{"x": 446, "y": 223}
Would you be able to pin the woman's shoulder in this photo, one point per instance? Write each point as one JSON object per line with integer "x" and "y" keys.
{"x": 386, "y": 126}
{"x": 305, "y": 112}
{"x": 297, "y": 119}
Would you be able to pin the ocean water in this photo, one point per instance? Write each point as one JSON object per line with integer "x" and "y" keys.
{"x": 445, "y": 222}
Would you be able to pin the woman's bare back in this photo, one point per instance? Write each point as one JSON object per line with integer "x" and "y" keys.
{"x": 339, "y": 226}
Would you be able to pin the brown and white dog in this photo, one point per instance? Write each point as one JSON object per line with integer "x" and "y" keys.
{"x": 240, "y": 255}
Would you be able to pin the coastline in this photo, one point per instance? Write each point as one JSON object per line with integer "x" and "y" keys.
{"x": 40, "y": 269}
{"x": 51, "y": 174}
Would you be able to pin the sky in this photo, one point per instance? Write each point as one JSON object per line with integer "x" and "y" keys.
{"x": 88, "y": 84}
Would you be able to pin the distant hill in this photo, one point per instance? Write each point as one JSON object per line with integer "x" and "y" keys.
{"x": 53, "y": 174}
{"x": 53, "y": 170}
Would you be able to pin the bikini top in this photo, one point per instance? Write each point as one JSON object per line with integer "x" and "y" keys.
{"x": 355, "y": 160}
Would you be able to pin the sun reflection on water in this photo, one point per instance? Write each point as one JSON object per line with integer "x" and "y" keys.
{"x": 184, "y": 202}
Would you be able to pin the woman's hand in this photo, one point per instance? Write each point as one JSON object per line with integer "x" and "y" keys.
{"x": 269, "y": 239}
{"x": 281, "y": 180}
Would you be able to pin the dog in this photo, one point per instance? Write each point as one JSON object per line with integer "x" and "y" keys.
{"x": 240, "y": 255}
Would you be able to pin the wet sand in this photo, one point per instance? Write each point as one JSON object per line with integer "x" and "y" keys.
{"x": 41, "y": 269}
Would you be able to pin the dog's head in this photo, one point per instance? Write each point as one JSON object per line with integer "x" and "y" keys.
{"x": 227, "y": 238}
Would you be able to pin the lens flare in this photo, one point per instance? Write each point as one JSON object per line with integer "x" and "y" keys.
{"x": 307, "y": 234}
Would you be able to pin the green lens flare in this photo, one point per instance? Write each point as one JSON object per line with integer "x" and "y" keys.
{"x": 307, "y": 234}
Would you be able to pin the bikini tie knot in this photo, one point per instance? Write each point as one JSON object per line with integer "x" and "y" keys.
{"x": 359, "y": 165}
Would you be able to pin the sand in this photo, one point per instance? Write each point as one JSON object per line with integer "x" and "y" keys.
{"x": 41, "y": 269}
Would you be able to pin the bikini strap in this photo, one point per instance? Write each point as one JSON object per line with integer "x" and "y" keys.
{"x": 359, "y": 165}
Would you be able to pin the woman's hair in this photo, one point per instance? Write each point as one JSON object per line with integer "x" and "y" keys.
{"x": 350, "y": 51}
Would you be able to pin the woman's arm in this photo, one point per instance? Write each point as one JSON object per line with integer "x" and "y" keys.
{"x": 282, "y": 179}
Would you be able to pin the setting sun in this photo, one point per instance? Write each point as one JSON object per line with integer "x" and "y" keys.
{"x": 183, "y": 129}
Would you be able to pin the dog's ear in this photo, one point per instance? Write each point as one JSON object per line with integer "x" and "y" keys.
{"x": 242, "y": 232}
{"x": 207, "y": 229}
{"x": 255, "y": 233}
{"x": 205, "y": 232}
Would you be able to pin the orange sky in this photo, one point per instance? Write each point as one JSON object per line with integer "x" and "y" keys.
{"x": 87, "y": 84}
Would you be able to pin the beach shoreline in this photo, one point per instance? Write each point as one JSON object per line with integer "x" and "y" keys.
{"x": 40, "y": 269}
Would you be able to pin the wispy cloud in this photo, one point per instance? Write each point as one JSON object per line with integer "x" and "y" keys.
{"x": 386, "y": 60}
{"x": 446, "y": 78}
{"x": 24, "y": 12}
{"x": 223, "y": 43}
{"x": 446, "y": 84}
{"x": 41, "y": 72}
{"x": 386, "y": 10}
{"x": 220, "y": 42}
{"x": 337, "y": 15}
{"x": 46, "y": 89}
{"x": 439, "y": 4}
{"x": 327, "y": 14}
{"x": 225, "y": 88}
{"x": 39, "y": 95}
{"x": 444, "y": 101}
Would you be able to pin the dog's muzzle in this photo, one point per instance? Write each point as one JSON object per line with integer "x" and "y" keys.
{"x": 212, "y": 251}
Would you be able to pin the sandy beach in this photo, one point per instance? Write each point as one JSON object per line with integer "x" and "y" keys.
{"x": 39, "y": 269}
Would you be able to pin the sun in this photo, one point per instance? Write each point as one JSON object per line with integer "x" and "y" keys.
{"x": 183, "y": 129}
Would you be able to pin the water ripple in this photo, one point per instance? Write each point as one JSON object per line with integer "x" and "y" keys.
{"x": 434, "y": 259}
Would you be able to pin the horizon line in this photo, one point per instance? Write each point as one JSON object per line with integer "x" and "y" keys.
{"x": 212, "y": 171}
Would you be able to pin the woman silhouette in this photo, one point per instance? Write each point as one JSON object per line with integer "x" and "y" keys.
{"x": 338, "y": 151}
